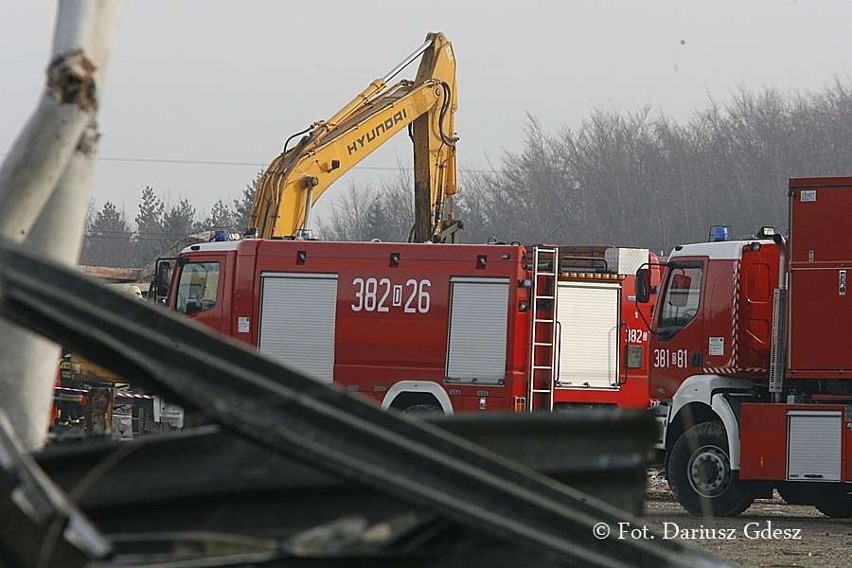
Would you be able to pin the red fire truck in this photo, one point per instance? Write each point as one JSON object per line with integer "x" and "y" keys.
{"x": 427, "y": 327}
{"x": 751, "y": 358}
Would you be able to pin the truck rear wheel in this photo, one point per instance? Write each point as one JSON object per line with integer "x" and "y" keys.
{"x": 796, "y": 493}
{"x": 423, "y": 409}
{"x": 700, "y": 474}
{"x": 836, "y": 507}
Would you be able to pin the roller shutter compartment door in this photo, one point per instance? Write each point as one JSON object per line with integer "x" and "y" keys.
{"x": 814, "y": 445}
{"x": 589, "y": 320}
{"x": 476, "y": 350}
{"x": 297, "y": 322}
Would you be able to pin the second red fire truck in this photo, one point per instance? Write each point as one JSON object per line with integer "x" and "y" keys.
{"x": 751, "y": 358}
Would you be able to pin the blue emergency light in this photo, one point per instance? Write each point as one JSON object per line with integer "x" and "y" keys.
{"x": 719, "y": 233}
{"x": 220, "y": 236}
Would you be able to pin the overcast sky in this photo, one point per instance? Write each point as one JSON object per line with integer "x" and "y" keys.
{"x": 216, "y": 81}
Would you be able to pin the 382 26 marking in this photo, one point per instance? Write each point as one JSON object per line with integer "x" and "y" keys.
{"x": 379, "y": 295}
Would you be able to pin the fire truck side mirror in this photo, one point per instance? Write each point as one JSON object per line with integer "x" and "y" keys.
{"x": 643, "y": 285}
{"x": 163, "y": 275}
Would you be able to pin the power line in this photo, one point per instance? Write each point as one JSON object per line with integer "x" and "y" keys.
{"x": 259, "y": 165}
{"x": 187, "y": 162}
{"x": 230, "y": 163}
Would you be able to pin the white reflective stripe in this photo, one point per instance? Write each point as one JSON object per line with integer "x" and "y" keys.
{"x": 297, "y": 321}
{"x": 479, "y": 314}
{"x": 589, "y": 314}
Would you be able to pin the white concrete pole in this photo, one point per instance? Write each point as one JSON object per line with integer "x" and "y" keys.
{"x": 44, "y": 188}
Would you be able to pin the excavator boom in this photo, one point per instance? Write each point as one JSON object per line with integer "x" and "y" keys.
{"x": 298, "y": 176}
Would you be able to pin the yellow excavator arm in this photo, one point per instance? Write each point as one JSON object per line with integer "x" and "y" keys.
{"x": 295, "y": 179}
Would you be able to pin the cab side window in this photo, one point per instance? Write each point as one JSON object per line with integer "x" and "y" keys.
{"x": 198, "y": 287}
{"x": 682, "y": 295}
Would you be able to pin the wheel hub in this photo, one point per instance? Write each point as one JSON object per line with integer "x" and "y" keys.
{"x": 709, "y": 473}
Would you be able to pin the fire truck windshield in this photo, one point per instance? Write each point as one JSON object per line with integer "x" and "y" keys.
{"x": 198, "y": 287}
{"x": 681, "y": 296}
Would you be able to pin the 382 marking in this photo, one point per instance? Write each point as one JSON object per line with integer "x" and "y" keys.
{"x": 637, "y": 335}
{"x": 372, "y": 295}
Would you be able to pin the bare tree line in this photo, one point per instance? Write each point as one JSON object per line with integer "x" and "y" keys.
{"x": 635, "y": 178}
{"x": 632, "y": 178}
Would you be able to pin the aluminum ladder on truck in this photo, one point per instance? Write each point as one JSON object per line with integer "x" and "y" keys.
{"x": 542, "y": 379}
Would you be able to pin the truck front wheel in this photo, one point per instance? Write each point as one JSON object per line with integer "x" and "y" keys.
{"x": 700, "y": 474}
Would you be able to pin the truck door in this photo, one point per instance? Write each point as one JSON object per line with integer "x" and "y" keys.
{"x": 676, "y": 346}
{"x": 297, "y": 321}
{"x": 201, "y": 293}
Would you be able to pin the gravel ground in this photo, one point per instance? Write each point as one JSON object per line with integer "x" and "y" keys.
{"x": 797, "y": 535}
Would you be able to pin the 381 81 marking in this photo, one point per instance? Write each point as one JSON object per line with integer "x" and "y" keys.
{"x": 670, "y": 358}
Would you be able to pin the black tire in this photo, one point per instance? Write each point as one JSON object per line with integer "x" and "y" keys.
{"x": 423, "y": 409}
{"x": 700, "y": 476}
{"x": 839, "y": 507}
{"x": 796, "y": 494}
